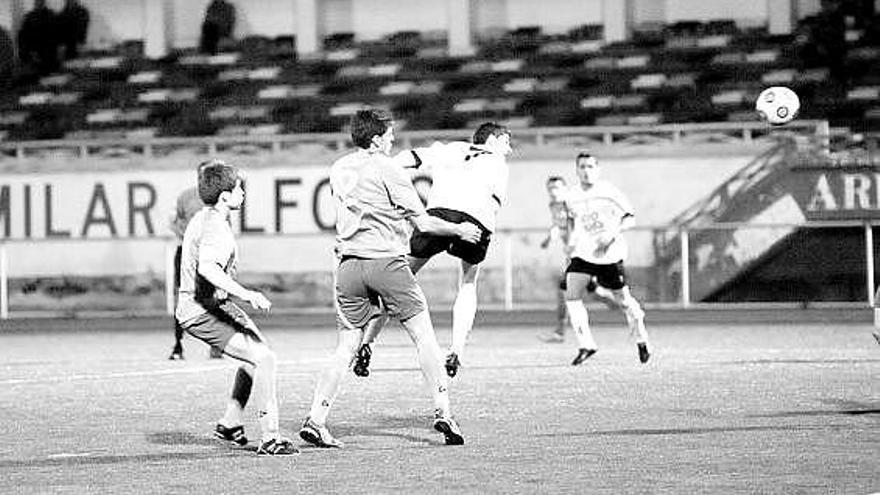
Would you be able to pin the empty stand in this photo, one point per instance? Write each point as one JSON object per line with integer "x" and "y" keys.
{"x": 685, "y": 72}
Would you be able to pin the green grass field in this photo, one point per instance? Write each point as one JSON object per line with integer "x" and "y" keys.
{"x": 721, "y": 408}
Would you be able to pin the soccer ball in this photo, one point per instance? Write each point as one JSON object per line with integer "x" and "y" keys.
{"x": 778, "y": 105}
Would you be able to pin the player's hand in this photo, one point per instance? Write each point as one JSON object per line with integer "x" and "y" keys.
{"x": 469, "y": 232}
{"x": 258, "y": 300}
{"x": 545, "y": 243}
{"x": 604, "y": 242}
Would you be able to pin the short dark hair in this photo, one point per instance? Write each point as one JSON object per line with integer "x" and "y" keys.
{"x": 582, "y": 155}
{"x": 216, "y": 178}
{"x": 555, "y": 178}
{"x": 368, "y": 123}
{"x": 488, "y": 129}
{"x": 207, "y": 163}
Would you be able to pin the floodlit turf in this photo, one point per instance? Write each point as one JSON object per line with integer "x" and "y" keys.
{"x": 719, "y": 409}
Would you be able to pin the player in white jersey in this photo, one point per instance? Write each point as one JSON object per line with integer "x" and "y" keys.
{"x": 375, "y": 204}
{"x": 208, "y": 258}
{"x": 560, "y": 227}
{"x": 600, "y": 213}
{"x": 469, "y": 185}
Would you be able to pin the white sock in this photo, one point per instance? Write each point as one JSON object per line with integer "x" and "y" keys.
{"x": 431, "y": 359}
{"x": 233, "y": 415}
{"x": 635, "y": 316}
{"x": 331, "y": 379}
{"x": 265, "y": 389}
{"x": 580, "y": 322}
{"x": 463, "y": 312}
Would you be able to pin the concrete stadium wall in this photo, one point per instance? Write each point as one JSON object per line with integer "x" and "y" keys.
{"x": 104, "y": 223}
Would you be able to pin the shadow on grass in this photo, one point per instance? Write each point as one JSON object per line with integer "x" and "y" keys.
{"x": 382, "y": 426}
{"x": 175, "y": 438}
{"x": 181, "y": 438}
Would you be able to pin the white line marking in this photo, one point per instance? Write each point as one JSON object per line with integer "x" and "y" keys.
{"x": 67, "y": 455}
{"x": 133, "y": 374}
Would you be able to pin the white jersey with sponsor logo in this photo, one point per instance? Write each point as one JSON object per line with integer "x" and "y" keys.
{"x": 466, "y": 178}
{"x": 596, "y": 213}
{"x": 208, "y": 239}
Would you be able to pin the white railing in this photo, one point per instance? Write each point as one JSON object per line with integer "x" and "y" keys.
{"x": 618, "y": 136}
{"x": 506, "y": 252}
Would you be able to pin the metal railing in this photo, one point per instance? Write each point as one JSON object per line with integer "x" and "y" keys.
{"x": 516, "y": 258}
{"x": 620, "y": 136}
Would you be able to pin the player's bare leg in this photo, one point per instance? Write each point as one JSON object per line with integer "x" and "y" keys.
{"x": 463, "y": 312}
{"x": 314, "y": 429}
{"x": 365, "y": 351}
{"x": 580, "y": 321}
{"x": 635, "y": 321}
{"x": 604, "y": 295}
{"x": 421, "y": 331}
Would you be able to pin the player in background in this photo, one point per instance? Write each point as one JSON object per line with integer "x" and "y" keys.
{"x": 559, "y": 231}
{"x": 600, "y": 213}
{"x": 375, "y": 204}
{"x": 188, "y": 204}
{"x": 469, "y": 185}
{"x": 208, "y": 262}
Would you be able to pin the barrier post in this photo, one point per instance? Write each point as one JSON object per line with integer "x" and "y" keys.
{"x": 869, "y": 261}
{"x": 508, "y": 272}
{"x": 170, "y": 248}
{"x": 685, "y": 268}
{"x": 4, "y": 286}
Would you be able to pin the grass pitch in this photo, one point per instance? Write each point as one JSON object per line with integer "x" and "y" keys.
{"x": 720, "y": 408}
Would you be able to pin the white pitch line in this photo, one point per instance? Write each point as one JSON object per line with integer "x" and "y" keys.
{"x": 127, "y": 374}
{"x": 393, "y": 353}
{"x": 68, "y": 455}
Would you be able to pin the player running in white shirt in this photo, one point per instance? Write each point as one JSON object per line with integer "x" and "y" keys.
{"x": 469, "y": 185}
{"x": 559, "y": 230}
{"x": 600, "y": 213}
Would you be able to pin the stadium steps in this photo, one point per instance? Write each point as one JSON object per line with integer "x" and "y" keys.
{"x": 748, "y": 261}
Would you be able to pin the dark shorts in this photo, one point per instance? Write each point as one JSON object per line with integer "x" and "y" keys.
{"x": 220, "y": 323}
{"x": 360, "y": 282}
{"x": 424, "y": 245}
{"x": 563, "y": 283}
{"x": 609, "y": 276}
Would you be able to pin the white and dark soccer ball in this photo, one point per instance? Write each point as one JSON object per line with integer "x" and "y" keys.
{"x": 778, "y": 105}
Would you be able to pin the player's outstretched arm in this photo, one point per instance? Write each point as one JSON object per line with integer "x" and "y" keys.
{"x": 552, "y": 235}
{"x": 466, "y": 231}
{"x": 216, "y": 276}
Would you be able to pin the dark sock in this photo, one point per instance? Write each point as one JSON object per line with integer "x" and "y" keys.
{"x": 241, "y": 390}
{"x": 178, "y": 336}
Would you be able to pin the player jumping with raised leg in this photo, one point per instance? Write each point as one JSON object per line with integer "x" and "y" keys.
{"x": 469, "y": 185}
{"x": 208, "y": 258}
{"x": 600, "y": 213}
{"x": 375, "y": 200}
